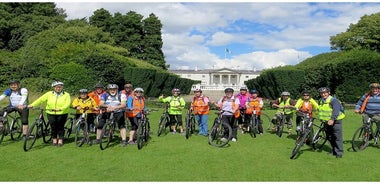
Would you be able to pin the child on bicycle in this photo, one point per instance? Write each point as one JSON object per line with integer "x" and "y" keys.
{"x": 135, "y": 108}
{"x": 85, "y": 103}
{"x": 176, "y": 105}
{"x": 255, "y": 103}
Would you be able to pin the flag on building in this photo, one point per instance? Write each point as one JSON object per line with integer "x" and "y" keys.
{"x": 228, "y": 51}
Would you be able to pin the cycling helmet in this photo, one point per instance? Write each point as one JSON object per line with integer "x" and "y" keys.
{"x": 243, "y": 88}
{"x": 323, "y": 89}
{"x": 128, "y": 86}
{"x": 112, "y": 86}
{"x": 374, "y": 85}
{"x": 55, "y": 83}
{"x": 99, "y": 86}
{"x": 138, "y": 89}
{"x": 176, "y": 90}
{"x": 228, "y": 90}
{"x": 83, "y": 91}
{"x": 285, "y": 93}
{"x": 253, "y": 91}
{"x": 14, "y": 82}
{"x": 197, "y": 90}
{"x": 305, "y": 92}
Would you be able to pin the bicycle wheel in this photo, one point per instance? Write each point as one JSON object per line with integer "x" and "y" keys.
{"x": 300, "y": 141}
{"x": 265, "y": 119}
{"x": 46, "y": 135}
{"x": 280, "y": 128}
{"x": 161, "y": 125}
{"x": 81, "y": 132}
{"x": 220, "y": 134}
{"x": 106, "y": 136}
{"x": 360, "y": 140}
{"x": 140, "y": 135}
{"x": 68, "y": 127}
{"x": 16, "y": 129}
{"x": 319, "y": 139}
{"x": 187, "y": 126}
{"x": 32, "y": 135}
{"x": 3, "y": 131}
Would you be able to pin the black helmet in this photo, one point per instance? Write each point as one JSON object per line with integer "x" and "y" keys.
{"x": 305, "y": 92}
{"x": 374, "y": 85}
{"x": 99, "y": 86}
{"x": 228, "y": 90}
{"x": 14, "y": 81}
{"x": 254, "y": 91}
{"x": 323, "y": 89}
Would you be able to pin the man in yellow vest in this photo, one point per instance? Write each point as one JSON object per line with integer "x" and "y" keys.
{"x": 286, "y": 104}
{"x": 330, "y": 110}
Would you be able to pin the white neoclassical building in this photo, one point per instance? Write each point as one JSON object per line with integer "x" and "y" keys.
{"x": 218, "y": 79}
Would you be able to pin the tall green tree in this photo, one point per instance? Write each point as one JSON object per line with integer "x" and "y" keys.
{"x": 152, "y": 42}
{"x": 20, "y": 21}
{"x": 363, "y": 35}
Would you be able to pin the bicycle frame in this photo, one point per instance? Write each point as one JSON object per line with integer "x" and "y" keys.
{"x": 363, "y": 135}
{"x": 40, "y": 128}
{"x": 190, "y": 123}
{"x": 164, "y": 119}
{"x": 221, "y": 132}
{"x": 9, "y": 128}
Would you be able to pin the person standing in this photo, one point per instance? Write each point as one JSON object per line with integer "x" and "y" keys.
{"x": 369, "y": 104}
{"x": 284, "y": 104}
{"x": 135, "y": 108}
{"x": 255, "y": 103}
{"x": 243, "y": 95}
{"x": 18, "y": 100}
{"x": 201, "y": 109}
{"x": 97, "y": 94}
{"x": 305, "y": 104}
{"x": 230, "y": 105}
{"x": 176, "y": 105}
{"x": 330, "y": 110}
{"x": 57, "y": 108}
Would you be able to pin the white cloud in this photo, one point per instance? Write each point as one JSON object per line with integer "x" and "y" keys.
{"x": 272, "y": 34}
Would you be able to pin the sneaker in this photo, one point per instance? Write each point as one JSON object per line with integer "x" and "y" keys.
{"x": 123, "y": 143}
{"x": 298, "y": 128}
{"x": 223, "y": 139}
{"x": 131, "y": 142}
{"x": 174, "y": 132}
{"x": 290, "y": 131}
{"x": 274, "y": 129}
{"x": 233, "y": 140}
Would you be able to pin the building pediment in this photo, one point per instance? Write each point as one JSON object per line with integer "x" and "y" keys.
{"x": 224, "y": 70}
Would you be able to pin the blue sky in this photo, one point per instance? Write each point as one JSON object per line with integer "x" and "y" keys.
{"x": 259, "y": 35}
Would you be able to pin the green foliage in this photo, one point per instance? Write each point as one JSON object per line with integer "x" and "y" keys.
{"x": 363, "y": 35}
{"x": 73, "y": 75}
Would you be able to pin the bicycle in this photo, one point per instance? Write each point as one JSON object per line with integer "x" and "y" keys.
{"x": 319, "y": 138}
{"x": 364, "y": 134}
{"x": 253, "y": 127}
{"x": 82, "y": 133}
{"x": 143, "y": 130}
{"x": 189, "y": 123}
{"x": 164, "y": 120}
{"x": 221, "y": 132}
{"x": 15, "y": 129}
{"x": 303, "y": 135}
{"x": 40, "y": 128}
{"x": 108, "y": 131}
{"x": 281, "y": 123}
{"x": 68, "y": 128}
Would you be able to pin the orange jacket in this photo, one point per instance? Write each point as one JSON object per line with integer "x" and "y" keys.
{"x": 200, "y": 105}
{"x": 254, "y": 104}
{"x": 137, "y": 107}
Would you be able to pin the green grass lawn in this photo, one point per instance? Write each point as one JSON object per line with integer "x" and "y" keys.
{"x": 175, "y": 158}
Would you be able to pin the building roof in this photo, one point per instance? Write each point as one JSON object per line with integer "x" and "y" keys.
{"x": 208, "y": 71}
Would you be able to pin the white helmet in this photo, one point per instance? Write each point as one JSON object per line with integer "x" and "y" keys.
{"x": 285, "y": 93}
{"x": 55, "y": 83}
{"x": 112, "y": 86}
{"x": 139, "y": 89}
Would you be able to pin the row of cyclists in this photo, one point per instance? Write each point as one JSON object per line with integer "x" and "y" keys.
{"x": 235, "y": 107}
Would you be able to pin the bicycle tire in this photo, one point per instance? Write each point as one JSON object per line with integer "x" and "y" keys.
{"x": 187, "y": 126}
{"x": 3, "y": 131}
{"x": 81, "y": 132}
{"x": 161, "y": 125}
{"x": 300, "y": 141}
{"x": 280, "y": 128}
{"x": 140, "y": 135}
{"x": 376, "y": 137}
{"x": 319, "y": 139}
{"x": 32, "y": 135}
{"x": 106, "y": 136}
{"x": 360, "y": 140}
{"x": 266, "y": 119}
{"x": 46, "y": 134}
{"x": 68, "y": 127}
{"x": 251, "y": 127}
{"x": 218, "y": 131}
{"x": 16, "y": 129}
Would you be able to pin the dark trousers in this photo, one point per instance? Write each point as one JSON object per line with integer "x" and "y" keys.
{"x": 230, "y": 119}
{"x": 57, "y": 123}
{"x": 334, "y": 135}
